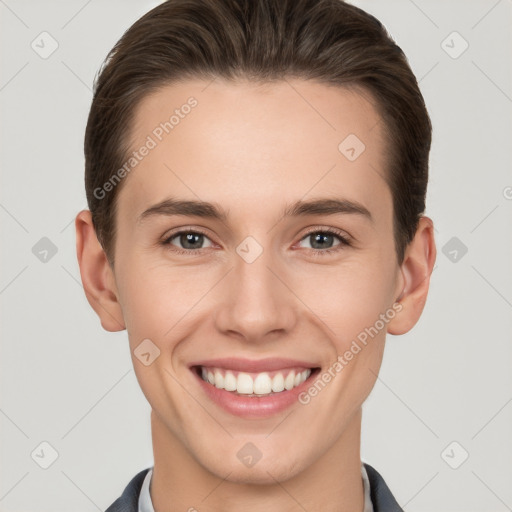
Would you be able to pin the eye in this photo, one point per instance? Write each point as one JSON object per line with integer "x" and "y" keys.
{"x": 187, "y": 241}
{"x": 321, "y": 241}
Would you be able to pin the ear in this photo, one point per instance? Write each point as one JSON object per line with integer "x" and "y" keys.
{"x": 415, "y": 270}
{"x": 97, "y": 275}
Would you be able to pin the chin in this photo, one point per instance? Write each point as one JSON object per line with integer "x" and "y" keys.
{"x": 264, "y": 472}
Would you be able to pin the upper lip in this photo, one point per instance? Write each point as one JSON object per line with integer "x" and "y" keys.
{"x": 255, "y": 366}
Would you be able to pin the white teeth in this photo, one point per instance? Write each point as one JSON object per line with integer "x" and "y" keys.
{"x": 219, "y": 379}
{"x": 278, "y": 383}
{"x": 229, "y": 382}
{"x": 262, "y": 384}
{"x": 290, "y": 380}
{"x": 244, "y": 384}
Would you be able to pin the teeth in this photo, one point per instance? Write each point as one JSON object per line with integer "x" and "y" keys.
{"x": 262, "y": 384}
{"x": 245, "y": 384}
{"x": 289, "y": 381}
{"x": 219, "y": 380}
{"x": 229, "y": 382}
{"x": 278, "y": 383}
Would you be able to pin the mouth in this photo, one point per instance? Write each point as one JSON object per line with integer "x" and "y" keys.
{"x": 254, "y": 384}
{"x": 254, "y": 389}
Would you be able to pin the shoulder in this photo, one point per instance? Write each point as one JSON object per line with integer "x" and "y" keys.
{"x": 382, "y": 498}
{"x": 129, "y": 500}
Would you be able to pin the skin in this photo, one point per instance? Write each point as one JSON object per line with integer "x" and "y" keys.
{"x": 252, "y": 150}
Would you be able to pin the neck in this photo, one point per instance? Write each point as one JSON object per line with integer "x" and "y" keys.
{"x": 332, "y": 483}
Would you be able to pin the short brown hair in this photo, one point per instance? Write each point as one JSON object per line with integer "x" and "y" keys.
{"x": 328, "y": 41}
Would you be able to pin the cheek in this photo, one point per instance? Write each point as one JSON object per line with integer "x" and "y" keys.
{"x": 353, "y": 304}
{"x": 158, "y": 299}
{"x": 347, "y": 298}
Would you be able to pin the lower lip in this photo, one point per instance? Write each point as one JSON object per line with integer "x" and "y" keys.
{"x": 254, "y": 406}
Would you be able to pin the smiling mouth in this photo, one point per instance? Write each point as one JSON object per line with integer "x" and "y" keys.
{"x": 260, "y": 384}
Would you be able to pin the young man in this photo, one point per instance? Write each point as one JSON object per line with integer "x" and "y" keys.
{"x": 256, "y": 174}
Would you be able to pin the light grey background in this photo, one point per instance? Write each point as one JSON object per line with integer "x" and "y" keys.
{"x": 67, "y": 382}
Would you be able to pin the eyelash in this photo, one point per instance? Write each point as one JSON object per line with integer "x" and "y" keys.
{"x": 344, "y": 241}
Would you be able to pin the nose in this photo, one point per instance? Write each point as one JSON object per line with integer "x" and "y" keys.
{"x": 255, "y": 301}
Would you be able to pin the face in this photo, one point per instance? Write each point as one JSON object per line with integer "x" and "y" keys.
{"x": 290, "y": 263}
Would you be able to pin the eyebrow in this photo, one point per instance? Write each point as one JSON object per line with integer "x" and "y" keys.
{"x": 325, "y": 206}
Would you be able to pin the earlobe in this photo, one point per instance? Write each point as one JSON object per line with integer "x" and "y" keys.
{"x": 416, "y": 269}
{"x": 97, "y": 275}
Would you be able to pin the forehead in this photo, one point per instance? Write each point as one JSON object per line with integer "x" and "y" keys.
{"x": 243, "y": 143}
